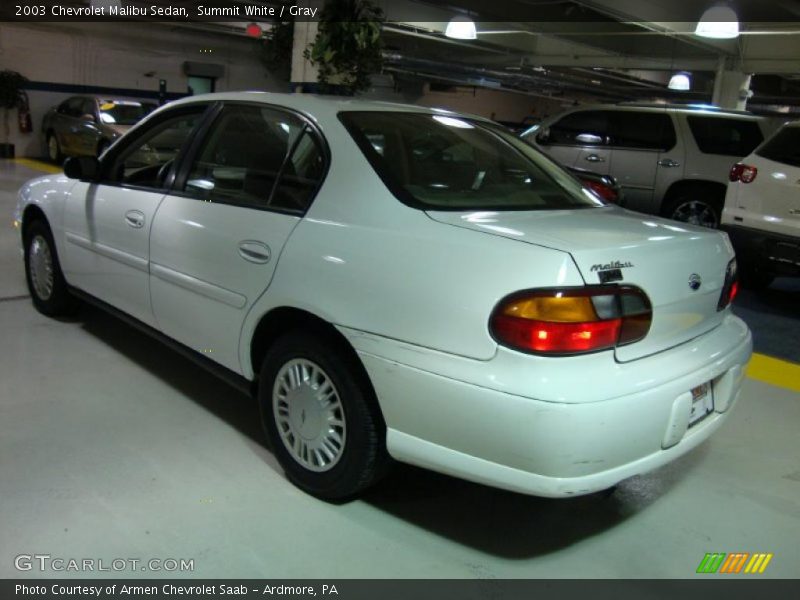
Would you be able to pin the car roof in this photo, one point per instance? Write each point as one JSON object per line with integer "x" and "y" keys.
{"x": 317, "y": 106}
{"x": 692, "y": 109}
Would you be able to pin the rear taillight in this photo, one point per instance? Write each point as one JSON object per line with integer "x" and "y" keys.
{"x": 742, "y": 172}
{"x": 730, "y": 288}
{"x": 571, "y": 320}
{"x": 606, "y": 192}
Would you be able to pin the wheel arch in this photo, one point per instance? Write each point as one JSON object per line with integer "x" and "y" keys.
{"x": 283, "y": 319}
{"x": 31, "y": 214}
{"x": 677, "y": 189}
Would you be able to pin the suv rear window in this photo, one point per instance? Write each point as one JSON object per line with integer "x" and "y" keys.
{"x": 721, "y": 135}
{"x": 441, "y": 162}
{"x": 784, "y": 147}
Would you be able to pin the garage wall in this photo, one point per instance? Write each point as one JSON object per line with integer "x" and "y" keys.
{"x": 129, "y": 56}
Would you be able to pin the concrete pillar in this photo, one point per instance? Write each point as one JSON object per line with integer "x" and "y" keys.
{"x": 731, "y": 88}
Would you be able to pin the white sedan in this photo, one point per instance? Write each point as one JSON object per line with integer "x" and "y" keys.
{"x": 398, "y": 282}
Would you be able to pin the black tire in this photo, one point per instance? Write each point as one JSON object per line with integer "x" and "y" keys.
{"x": 698, "y": 207}
{"x": 54, "y": 148}
{"x": 361, "y": 459}
{"x": 754, "y": 278}
{"x": 38, "y": 242}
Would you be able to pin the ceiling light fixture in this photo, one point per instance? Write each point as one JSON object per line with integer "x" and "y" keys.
{"x": 461, "y": 28}
{"x": 680, "y": 81}
{"x": 718, "y": 22}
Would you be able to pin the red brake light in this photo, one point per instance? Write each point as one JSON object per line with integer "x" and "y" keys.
{"x": 731, "y": 286}
{"x": 571, "y": 320}
{"x": 605, "y": 192}
{"x": 742, "y": 172}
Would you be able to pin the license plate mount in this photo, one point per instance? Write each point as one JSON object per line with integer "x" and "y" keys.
{"x": 702, "y": 403}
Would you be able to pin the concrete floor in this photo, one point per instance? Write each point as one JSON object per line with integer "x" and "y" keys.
{"x": 112, "y": 446}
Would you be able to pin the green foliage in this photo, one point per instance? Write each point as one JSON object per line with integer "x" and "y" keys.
{"x": 347, "y": 48}
{"x": 11, "y": 93}
{"x": 276, "y": 48}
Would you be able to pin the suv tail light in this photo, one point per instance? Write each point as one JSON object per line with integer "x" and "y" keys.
{"x": 571, "y": 320}
{"x": 731, "y": 286}
{"x": 742, "y": 172}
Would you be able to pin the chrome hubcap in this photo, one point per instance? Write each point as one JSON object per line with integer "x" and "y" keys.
{"x": 40, "y": 267}
{"x": 696, "y": 213}
{"x": 309, "y": 415}
{"x": 52, "y": 146}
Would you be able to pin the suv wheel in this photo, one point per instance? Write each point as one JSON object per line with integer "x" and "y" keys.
{"x": 321, "y": 417}
{"x": 690, "y": 209}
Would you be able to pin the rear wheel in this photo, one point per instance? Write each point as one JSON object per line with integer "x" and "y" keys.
{"x": 321, "y": 417}
{"x": 695, "y": 207}
{"x": 46, "y": 282}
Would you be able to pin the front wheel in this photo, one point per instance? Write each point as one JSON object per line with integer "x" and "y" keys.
{"x": 46, "y": 282}
{"x": 54, "y": 148}
{"x": 321, "y": 417}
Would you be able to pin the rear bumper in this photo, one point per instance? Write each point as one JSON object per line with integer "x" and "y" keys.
{"x": 764, "y": 250}
{"x": 558, "y": 449}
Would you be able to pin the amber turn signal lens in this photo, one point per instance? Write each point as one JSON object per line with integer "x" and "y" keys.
{"x": 572, "y": 320}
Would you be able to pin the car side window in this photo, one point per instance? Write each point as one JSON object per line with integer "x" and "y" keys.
{"x": 72, "y": 107}
{"x": 301, "y": 176}
{"x": 722, "y": 135}
{"x": 147, "y": 161}
{"x": 642, "y": 130}
{"x": 88, "y": 107}
{"x": 243, "y": 154}
{"x": 584, "y": 128}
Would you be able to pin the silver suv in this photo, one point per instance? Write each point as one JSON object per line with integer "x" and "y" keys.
{"x": 669, "y": 160}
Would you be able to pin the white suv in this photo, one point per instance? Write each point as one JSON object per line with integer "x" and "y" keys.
{"x": 669, "y": 160}
{"x": 762, "y": 209}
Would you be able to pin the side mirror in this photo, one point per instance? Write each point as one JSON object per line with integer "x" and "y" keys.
{"x": 85, "y": 168}
{"x": 89, "y": 118}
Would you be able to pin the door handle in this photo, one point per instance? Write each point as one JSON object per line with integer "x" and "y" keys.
{"x": 135, "y": 219}
{"x": 253, "y": 251}
{"x": 669, "y": 163}
{"x": 595, "y": 158}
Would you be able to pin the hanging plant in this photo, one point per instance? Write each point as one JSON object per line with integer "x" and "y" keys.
{"x": 347, "y": 48}
{"x": 276, "y": 47}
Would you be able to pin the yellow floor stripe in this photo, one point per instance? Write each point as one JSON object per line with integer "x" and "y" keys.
{"x": 775, "y": 371}
{"x": 38, "y": 165}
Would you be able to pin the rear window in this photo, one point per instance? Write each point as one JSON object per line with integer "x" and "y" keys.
{"x": 443, "y": 162}
{"x": 730, "y": 137}
{"x": 783, "y": 147}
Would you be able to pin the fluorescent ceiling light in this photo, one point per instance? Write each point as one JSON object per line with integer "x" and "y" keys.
{"x": 680, "y": 81}
{"x": 461, "y": 28}
{"x": 718, "y": 22}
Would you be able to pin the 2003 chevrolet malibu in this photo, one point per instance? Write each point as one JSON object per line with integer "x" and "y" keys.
{"x": 393, "y": 281}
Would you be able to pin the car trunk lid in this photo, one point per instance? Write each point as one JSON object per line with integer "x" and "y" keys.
{"x": 664, "y": 258}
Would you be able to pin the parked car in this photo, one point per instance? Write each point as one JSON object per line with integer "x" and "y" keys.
{"x": 762, "y": 209}
{"x": 87, "y": 125}
{"x": 399, "y": 282}
{"x": 669, "y": 160}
